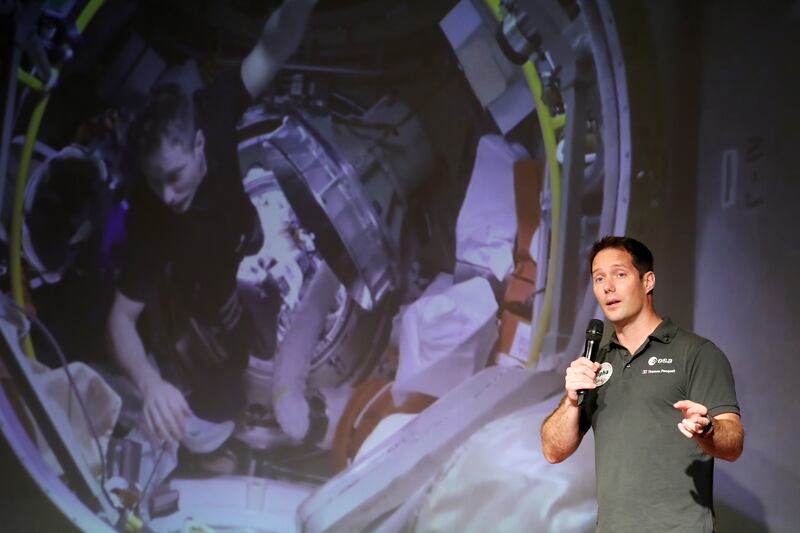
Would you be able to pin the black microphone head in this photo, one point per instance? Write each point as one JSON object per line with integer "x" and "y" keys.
{"x": 594, "y": 331}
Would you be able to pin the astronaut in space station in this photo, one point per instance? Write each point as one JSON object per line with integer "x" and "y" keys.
{"x": 190, "y": 218}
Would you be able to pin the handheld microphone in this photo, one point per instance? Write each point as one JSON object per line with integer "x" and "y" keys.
{"x": 594, "y": 332}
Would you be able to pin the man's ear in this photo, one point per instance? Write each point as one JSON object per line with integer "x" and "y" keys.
{"x": 199, "y": 142}
{"x": 649, "y": 281}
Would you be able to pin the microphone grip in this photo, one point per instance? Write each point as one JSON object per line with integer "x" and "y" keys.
{"x": 588, "y": 352}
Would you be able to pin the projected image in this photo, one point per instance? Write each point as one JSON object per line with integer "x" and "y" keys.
{"x": 284, "y": 258}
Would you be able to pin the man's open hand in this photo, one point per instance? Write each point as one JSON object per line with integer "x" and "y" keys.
{"x": 165, "y": 411}
{"x": 695, "y": 418}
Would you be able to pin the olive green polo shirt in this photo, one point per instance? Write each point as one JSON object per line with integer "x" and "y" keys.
{"x": 649, "y": 476}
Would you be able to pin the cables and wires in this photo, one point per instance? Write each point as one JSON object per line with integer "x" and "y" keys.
{"x": 150, "y": 477}
{"x": 9, "y": 304}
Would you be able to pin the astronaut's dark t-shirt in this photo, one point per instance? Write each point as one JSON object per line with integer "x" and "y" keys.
{"x": 202, "y": 246}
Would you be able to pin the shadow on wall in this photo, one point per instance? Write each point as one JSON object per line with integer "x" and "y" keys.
{"x": 737, "y": 508}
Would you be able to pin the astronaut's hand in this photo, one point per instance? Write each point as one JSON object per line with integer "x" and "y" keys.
{"x": 165, "y": 410}
{"x": 695, "y": 418}
{"x": 580, "y": 376}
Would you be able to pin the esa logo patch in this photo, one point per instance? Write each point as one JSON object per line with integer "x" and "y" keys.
{"x": 604, "y": 374}
{"x": 659, "y": 360}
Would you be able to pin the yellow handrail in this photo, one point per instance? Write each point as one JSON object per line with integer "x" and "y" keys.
{"x": 17, "y": 216}
{"x": 548, "y": 126}
{"x": 87, "y": 14}
{"x": 30, "y": 80}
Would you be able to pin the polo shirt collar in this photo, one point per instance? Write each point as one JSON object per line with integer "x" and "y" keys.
{"x": 665, "y": 332}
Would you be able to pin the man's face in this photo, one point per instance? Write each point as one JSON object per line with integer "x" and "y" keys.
{"x": 620, "y": 291}
{"x": 174, "y": 172}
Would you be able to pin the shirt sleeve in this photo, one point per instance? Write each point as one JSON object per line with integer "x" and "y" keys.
{"x": 711, "y": 381}
{"x": 220, "y": 103}
{"x": 218, "y": 108}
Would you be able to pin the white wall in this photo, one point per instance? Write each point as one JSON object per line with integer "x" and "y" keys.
{"x": 747, "y": 277}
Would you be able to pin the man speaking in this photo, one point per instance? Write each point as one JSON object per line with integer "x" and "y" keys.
{"x": 660, "y": 400}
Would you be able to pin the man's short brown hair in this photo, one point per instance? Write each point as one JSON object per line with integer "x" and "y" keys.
{"x": 640, "y": 255}
{"x": 168, "y": 116}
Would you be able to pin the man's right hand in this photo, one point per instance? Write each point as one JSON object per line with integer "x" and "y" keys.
{"x": 580, "y": 376}
{"x": 165, "y": 410}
